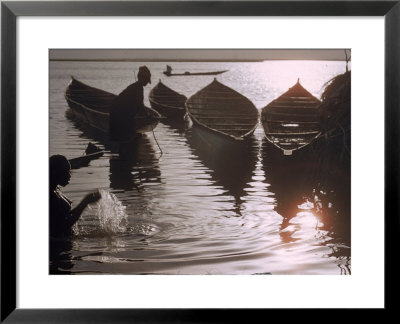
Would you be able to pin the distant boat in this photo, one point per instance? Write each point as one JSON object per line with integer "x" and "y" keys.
{"x": 167, "y": 102}
{"x": 223, "y": 114}
{"x": 168, "y": 72}
{"x": 93, "y": 106}
{"x": 194, "y": 73}
{"x": 291, "y": 121}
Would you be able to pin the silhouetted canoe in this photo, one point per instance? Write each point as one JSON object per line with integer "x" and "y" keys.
{"x": 93, "y": 106}
{"x": 167, "y": 102}
{"x": 222, "y": 113}
{"x": 92, "y": 152}
{"x": 291, "y": 121}
{"x": 194, "y": 73}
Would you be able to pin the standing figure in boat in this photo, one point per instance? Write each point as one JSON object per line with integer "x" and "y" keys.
{"x": 62, "y": 217}
{"x": 168, "y": 70}
{"x": 127, "y": 106}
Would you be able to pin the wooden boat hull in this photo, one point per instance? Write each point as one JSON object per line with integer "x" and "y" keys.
{"x": 223, "y": 114}
{"x": 77, "y": 109}
{"x": 303, "y": 155}
{"x": 214, "y": 142}
{"x": 93, "y": 106}
{"x": 97, "y": 119}
{"x": 291, "y": 122}
{"x": 167, "y": 102}
{"x": 194, "y": 73}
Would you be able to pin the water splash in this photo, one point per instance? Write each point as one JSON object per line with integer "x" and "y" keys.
{"x": 111, "y": 213}
{"x": 106, "y": 217}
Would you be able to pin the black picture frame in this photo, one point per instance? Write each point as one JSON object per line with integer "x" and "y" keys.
{"x": 11, "y": 10}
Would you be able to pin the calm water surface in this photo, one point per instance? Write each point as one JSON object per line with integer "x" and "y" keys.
{"x": 191, "y": 211}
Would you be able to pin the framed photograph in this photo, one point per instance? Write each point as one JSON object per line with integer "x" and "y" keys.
{"x": 197, "y": 153}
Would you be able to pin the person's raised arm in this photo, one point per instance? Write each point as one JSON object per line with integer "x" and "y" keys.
{"x": 77, "y": 211}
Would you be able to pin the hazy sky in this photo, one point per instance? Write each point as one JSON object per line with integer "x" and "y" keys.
{"x": 203, "y": 54}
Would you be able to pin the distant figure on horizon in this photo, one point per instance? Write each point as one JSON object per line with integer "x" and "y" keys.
{"x": 62, "y": 218}
{"x": 169, "y": 70}
{"x": 128, "y": 105}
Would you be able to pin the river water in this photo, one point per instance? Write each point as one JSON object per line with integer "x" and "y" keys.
{"x": 185, "y": 210}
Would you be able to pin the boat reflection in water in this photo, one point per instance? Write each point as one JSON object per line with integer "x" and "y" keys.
{"x": 139, "y": 165}
{"x": 231, "y": 168}
{"x": 313, "y": 197}
{"x": 91, "y": 133}
{"x": 180, "y": 126}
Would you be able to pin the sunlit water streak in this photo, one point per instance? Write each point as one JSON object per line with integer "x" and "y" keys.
{"x": 178, "y": 212}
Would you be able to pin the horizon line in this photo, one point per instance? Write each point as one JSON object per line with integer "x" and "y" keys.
{"x": 189, "y": 60}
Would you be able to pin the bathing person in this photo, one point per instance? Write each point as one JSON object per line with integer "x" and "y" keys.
{"x": 62, "y": 217}
{"x": 126, "y": 106}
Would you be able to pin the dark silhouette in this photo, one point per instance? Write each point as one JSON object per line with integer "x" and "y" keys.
{"x": 136, "y": 168}
{"x": 126, "y": 106}
{"x": 62, "y": 217}
{"x": 92, "y": 152}
{"x": 60, "y": 256}
{"x": 168, "y": 70}
{"x": 232, "y": 168}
